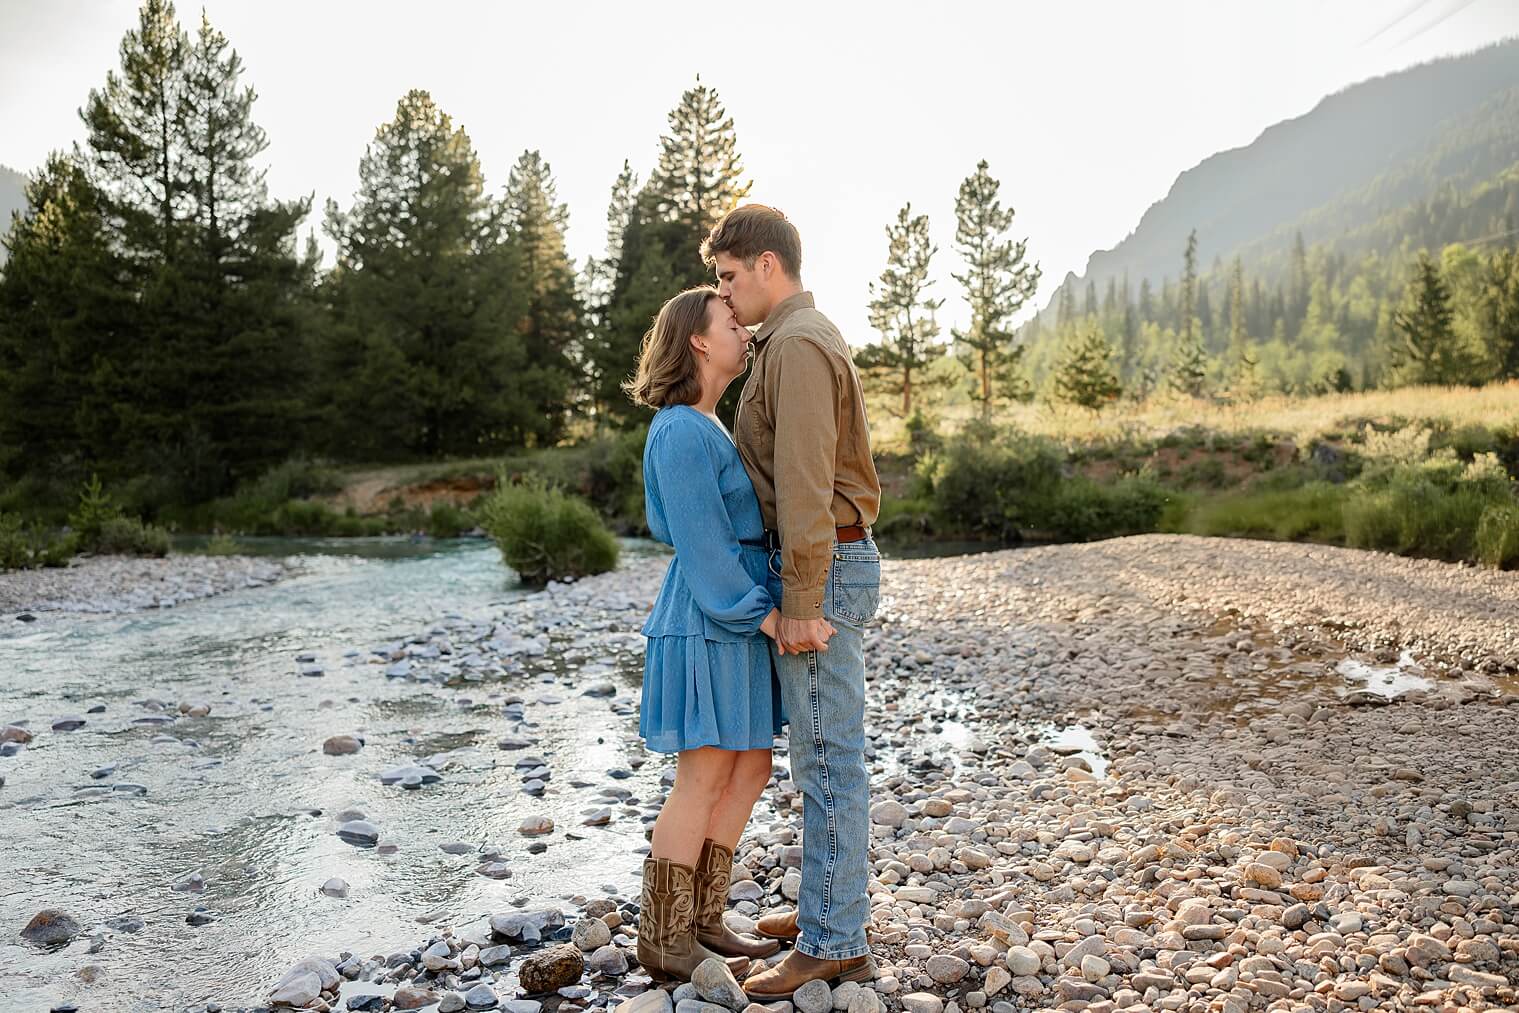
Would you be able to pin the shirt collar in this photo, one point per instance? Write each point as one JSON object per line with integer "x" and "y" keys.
{"x": 786, "y": 307}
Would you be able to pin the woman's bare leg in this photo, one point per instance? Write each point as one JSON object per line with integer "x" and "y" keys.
{"x": 701, "y": 779}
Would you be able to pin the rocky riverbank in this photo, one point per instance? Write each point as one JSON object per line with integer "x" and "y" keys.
{"x": 1154, "y": 773}
{"x": 1148, "y": 774}
{"x": 104, "y": 584}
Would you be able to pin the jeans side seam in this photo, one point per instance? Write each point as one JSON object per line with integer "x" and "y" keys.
{"x": 830, "y": 860}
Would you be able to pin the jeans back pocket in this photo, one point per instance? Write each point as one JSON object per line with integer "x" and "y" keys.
{"x": 855, "y": 582}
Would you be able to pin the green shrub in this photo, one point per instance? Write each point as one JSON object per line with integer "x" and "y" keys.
{"x": 546, "y": 534}
{"x": 1001, "y": 489}
{"x": 221, "y": 544}
{"x": 1498, "y": 535}
{"x": 94, "y": 511}
{"x": 1284, "y": 510}
{"x": 128, "y": 536}
{"x": 1431, "y": 508}
{"x": 1084, "y": 510}
{"x": 448, "y": 521}
{"x": 606, "y": 471}
{"x": 904, "y": 517}
{"x": 31, "y": 546}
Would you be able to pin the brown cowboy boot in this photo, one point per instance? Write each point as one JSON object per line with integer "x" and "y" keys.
{"x": 778, "y": 925}
{"x": 782, "y": 925}
{"x": 667, "y": 946}
{"x": 714, "y": 870}
{"x": 797, "y": 969}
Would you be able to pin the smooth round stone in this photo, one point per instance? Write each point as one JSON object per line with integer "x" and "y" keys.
{"x": 813, "y": 997}
{"x": 494, "y": 870}
{"x": 1023, "y": 961}
{"x": 591, "y": 934}
{"x": 15, "y": 733}
{"x": 482, "y": 996}
{"x": 456, "y": 848}
{"x": 360, "y": 832}
{"x": 551, "y": 970}
{"x": 335, "y": 887}
{"x": 453, "y": 1002}
{"x": 888, "y": 813}
{"x": 342, "y": 745}
{"x": 70, "y": 723}
{"x": 535, "y": 825}
{"x": 200, "y": 916}
{"x": 125, "y": 923}
{"x": 609, "y": 960}
{"x": 947, "y": 969}
{"x": 922, "y": 1002}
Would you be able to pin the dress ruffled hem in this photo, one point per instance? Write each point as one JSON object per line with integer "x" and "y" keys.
{"x": 699, "y": 692}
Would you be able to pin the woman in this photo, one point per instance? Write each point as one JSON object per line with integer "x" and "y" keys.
{"x": 709, "y": 690}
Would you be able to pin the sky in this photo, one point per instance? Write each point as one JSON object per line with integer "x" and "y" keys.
{"x": 1086, "y": 110}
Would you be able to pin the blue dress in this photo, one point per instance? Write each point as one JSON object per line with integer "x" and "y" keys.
{"x": 708, "y": 679}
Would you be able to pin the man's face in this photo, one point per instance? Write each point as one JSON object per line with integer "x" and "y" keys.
{"x": 740, "y": 285}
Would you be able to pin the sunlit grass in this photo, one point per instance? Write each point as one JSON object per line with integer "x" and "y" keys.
{"x": 1298, "y": 418}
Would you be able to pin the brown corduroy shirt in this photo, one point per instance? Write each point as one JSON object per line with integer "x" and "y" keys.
{"x": 803, "y": 437}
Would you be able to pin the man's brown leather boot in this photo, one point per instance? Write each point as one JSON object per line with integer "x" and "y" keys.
{"x": 714, "y": 871}
{"x": 796, "y": 969}
{"x": 778, "y": 925}
{"x": 667, "y": 946}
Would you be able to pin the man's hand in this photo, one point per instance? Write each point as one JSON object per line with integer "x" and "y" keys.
{"x": 797, "y": 635}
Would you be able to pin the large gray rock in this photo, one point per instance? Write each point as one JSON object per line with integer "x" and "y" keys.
{"x": 716, "y": 984}
{"x": 298, "y": 990}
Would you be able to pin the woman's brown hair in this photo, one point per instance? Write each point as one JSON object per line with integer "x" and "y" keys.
{"x": 667, "y": 370}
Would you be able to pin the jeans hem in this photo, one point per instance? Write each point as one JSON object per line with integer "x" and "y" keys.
{"x": 832, "y": 952}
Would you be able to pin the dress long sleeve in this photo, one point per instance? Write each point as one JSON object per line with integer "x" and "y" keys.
{"x": 687, "y": 484}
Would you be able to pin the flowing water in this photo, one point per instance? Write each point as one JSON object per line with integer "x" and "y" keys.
{"x": 114, "y": 818}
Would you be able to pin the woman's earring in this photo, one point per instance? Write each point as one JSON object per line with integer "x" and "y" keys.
{"x": 706, "y": 355}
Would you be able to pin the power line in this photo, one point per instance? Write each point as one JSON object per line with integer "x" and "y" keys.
{"x": 1408, "y": 11}
{"x": 1461, "y": 6}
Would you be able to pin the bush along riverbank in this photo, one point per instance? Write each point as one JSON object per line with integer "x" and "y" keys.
{"x": 1415, "y": 488}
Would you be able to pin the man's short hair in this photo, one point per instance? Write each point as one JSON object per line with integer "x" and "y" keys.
{"x": 753, "y": 229}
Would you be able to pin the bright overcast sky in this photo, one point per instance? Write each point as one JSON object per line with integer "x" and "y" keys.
{"x": 1087, "y": 111}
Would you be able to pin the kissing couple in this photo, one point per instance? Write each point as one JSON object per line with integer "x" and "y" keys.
{"x": 759, "y": 622}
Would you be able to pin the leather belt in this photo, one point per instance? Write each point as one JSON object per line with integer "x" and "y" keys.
{"x": 847, "y": 533}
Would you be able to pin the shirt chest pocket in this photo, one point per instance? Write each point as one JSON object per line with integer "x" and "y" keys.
{"x": 754, "y": 427}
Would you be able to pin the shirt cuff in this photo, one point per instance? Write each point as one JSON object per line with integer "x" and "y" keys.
{"x": 803, "y": 603}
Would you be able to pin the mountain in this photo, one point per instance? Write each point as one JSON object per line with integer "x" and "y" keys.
{"x": 12, "y": 198}
{"x": 1428, "y": 154}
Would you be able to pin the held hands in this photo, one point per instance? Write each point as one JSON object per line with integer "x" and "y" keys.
{"x": 796, "y": 636}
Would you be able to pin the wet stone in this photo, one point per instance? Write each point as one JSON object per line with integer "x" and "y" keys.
{"x": 50, "y": 927}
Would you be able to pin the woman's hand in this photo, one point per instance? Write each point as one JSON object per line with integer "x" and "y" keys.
{"x": 771, "y": 623}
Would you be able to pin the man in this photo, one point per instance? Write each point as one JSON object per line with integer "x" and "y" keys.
{"x": 802, "y": 435}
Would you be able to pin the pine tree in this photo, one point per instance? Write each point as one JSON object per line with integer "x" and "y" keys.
{"x": 427, "y": 357}
{"x": 608, "y": 357}
{"x": 551, "y": 328}
{"x": 1426, "y": 349}
{"x": 699, "y": 178}
{"x": 1086, "y": 376}
{"x": 997, "y": 283}
{"x": 63, "y": 314}
{"x": 249, "y": 287}
{"x": 1189, "y": 359}
{"x": 210, "y": 390}
{"x": 901, "y": 312}
{"x": 1500, "y": 310}
{"x": 1187, "y": 328}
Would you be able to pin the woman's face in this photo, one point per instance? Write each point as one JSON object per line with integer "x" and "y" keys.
{"x": 725, "y": 340}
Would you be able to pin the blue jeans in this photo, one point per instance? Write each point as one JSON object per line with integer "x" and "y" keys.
{"x": 824, "y": 694}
